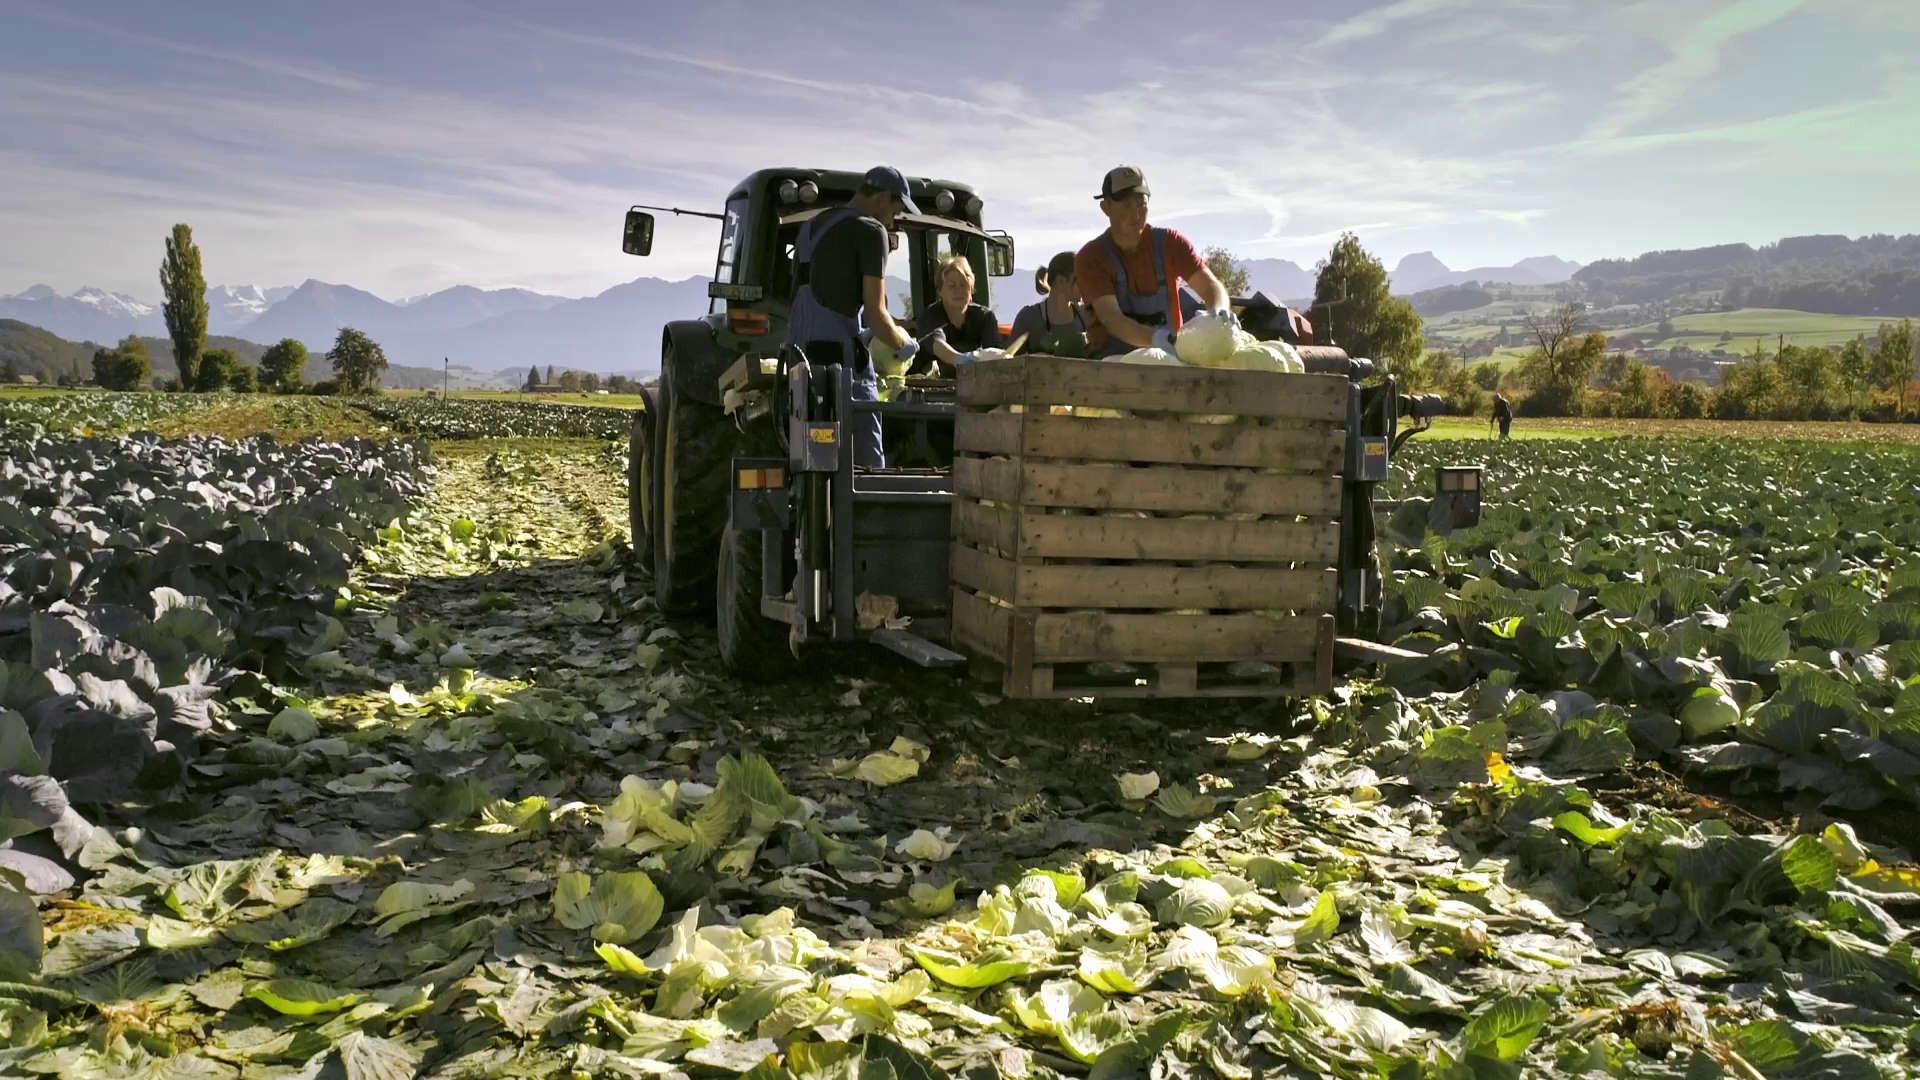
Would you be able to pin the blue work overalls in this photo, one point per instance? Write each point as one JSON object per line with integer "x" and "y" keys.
{"x": 1149, "y": 308}
{"x": 812, "y": 324}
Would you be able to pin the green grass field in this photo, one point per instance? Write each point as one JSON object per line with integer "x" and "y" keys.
{"x": 1563, "y": 427}
{"x": 1766, "y": 325}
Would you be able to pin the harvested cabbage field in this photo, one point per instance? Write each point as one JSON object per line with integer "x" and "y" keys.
{"x": 369, "y": 758}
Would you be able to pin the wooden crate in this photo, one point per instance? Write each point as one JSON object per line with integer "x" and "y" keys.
{"x": 1150, "y": 554}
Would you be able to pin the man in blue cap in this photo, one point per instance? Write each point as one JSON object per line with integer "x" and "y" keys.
{"x": 840, "y": 266}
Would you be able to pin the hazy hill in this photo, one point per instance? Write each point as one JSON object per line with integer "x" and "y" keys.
{"x": 1422, "y": 270}
{"x": 1871, "y": 275}
{"x": 30, "y": 350}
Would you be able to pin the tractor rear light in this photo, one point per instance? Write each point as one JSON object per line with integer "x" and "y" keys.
{"x": 973, "y": 207}
{"x": 809, "y": 192}
{"x": 1457, "y": 478}
{"x": 788, "y": 191}
{"x": 760, "y": 479}
{"x": 943, "y": 202}
{"x": 748, "y": 323}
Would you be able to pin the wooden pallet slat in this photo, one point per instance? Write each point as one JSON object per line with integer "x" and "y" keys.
{"x": 1084, "y": 637}
{"x": 1173, "y": 539}
{"x": 1144, "y": 585}
{"x": 1315, "y": 448}
{"x": 1153, "y": 488}
{"x": 1044, "y": 381}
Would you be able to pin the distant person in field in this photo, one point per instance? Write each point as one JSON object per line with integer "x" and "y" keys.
{"x": 1058, "y": 324}
{"x": 1502, "y": 414}
{"x": 1131, "y": 273}
{"x": 954, "y": 327}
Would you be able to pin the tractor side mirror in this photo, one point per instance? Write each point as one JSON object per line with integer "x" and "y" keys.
{"x": 637, "y": 237}
{"x": 1000, "y": 255}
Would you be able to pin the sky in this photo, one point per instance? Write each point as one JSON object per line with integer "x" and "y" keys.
{"x": 407, "y": 147}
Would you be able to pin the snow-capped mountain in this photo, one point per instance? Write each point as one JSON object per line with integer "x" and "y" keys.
{"x": 230, "y": 307}
{"x": 112, "y": 303}
{"x": 89, "y": 314}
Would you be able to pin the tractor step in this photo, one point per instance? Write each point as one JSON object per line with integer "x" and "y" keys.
{"x": 916, "y": 648}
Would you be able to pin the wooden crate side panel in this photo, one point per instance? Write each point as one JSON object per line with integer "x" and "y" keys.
{"x": 983, "y": 572}
{"x": 1153, "y": 585}
{"x": 1304, "y": 449}
{"x": 987, "y": 433}
{"x": 1159, "y": 488}
{"x": 995, "y": 528}
{"x": 1038, "y": 381}
{"x": 1144, "y": 388}
{"x": 1080, "y": 637}
{"x": 992, "y": 382}
{"x": 987, "y": 478}
{"x": 979, "y": 627}
{"x": 1113, "y": 536}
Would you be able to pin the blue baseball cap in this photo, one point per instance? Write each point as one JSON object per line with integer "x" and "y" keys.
{"x": 888, "y": 179}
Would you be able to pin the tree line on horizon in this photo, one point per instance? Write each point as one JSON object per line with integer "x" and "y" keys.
{"x": 1569, "y": 372}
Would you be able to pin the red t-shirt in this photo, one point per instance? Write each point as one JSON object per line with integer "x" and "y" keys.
{"x": 1093, "y": 270}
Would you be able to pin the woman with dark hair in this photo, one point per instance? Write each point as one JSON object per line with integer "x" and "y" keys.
{"x": 1057, "y": 325}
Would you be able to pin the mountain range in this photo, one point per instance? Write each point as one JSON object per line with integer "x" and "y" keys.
{"x": 507, "y": 329}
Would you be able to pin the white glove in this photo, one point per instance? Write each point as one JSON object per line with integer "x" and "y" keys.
{"x": 908, "y": 351}
{"x": 964, "y": 358}
{"x": 1227, "y": 314}
{"x": 1162, "y": 338}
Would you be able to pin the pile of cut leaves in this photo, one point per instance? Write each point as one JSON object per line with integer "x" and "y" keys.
{"x": 136, "y": 575}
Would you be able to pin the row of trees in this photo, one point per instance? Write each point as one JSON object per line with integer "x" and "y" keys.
{"x": 576, "y": 382}
{"x": 1571, "y": 373}
{"x": 357, "y": 359}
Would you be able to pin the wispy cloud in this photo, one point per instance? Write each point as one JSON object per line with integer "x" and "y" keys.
{"x": 1695, "y": 44}
{"x": 1080, "y": 14}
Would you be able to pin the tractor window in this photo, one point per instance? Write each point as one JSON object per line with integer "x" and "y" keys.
{"x": 943, "y": 245}
{"x": 732, "y": 232}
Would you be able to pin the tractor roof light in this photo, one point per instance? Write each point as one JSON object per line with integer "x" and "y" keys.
{"x": 943, "y": 202}
{"x": 973, "y": 207}
{"x": 788, "y": 191}
{"x": 809, "y": 192}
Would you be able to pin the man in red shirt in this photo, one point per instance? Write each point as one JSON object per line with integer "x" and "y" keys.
{"x": 1131, "y": 273}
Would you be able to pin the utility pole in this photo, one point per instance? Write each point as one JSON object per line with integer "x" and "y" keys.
{"x": 445, "y": 375}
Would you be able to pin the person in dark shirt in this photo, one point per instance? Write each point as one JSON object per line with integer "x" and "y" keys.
{"x": 1058, "y": 324}
{"x": 953, "y": 327}
{"x": 1502, "y": 414}
{"x": 840, "y": 262}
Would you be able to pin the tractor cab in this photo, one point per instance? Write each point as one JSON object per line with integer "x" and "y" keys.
{"x": 753, "y": 276}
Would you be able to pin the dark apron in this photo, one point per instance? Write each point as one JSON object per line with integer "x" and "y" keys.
{"x": 829, "y": 337}
{"x": 1151, "y": 308}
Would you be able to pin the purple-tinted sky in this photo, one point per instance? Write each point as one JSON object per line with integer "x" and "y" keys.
{"x": 404, "y": 147}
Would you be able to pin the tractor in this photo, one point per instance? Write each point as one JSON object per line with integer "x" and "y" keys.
{"x": 744, "y": 499}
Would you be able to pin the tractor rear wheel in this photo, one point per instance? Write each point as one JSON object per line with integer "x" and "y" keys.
{"x": 641, "y": 480}
{"x": 751, "y": 645}
{"x": 696, "y": 457}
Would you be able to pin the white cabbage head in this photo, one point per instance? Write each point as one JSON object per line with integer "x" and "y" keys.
{"x": 1206, "y": 341}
